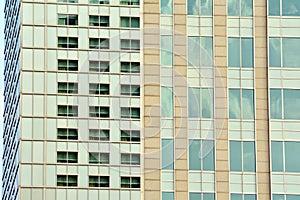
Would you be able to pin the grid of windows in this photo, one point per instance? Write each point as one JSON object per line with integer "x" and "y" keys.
{"x": 98, "y": 158}
{"x": 284, "y": 104}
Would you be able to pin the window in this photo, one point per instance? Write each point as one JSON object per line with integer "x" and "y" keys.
{"x": 65, "y": 19}
{"x": 290, "y": 99}
{"x": 67, "y": 157}
{"x": 242, "y": 196}
{"x": 283, "y": 52}
{"x": 130, "y": 67}
{"x": 99, "y": 111}
{"x": 166, "y": 7}
{"x": 285, "y": 156}
{"x": 200, "y": 102}
{"x": 202, "y": 155}
{"x": 130, "y": 182}
{"x": 67, "y": 42}
{"x": 97, "y": 88}
{"x": 199, "y": 196}
{"x": 130, "y": 2}
{"x": 67, "y": 180}
{"x": 99, "y": 134}
{"x": 99, "y": 20}
{"x": 200, "y": 51}
{"x": 98, "y": 181}
{"x": 130, "y": 90}
{"x": 166, "y": 50}
{"x": 203, "y": 7}
{"x": 240, "y": 52}
{"x": 130, "y": 44}
{"x": 99, "y": 43}
{"x": 241, "y": 104}
{"x": 99, "y": 1}
{"x": 99, "y": 158}
{"x": 99, "y": 66}
{"x": 68, "y": 65}
{"x": 69, "y": 88}
{"x": 167, "y": 196}
{"x": 285, "y": 197}
{"x": 167, "y": 158}
{"x": 284, "y": 7}
{"x": 242, "y": 156}
{"x": 130, "y": 113}
{"x": 130, "y": 136}
{"x": 69, "y": 1}
{"x": 67, "y": 134}
{"x": 71, "y": 111}
{"x": 167, "y": 104}
{"x": 130, "y": 159}
{"x": 240, "y": 8}
{"x": 130, "y": 22}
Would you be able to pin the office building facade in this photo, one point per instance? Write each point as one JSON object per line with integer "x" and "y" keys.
{"x": 169, "y": 99}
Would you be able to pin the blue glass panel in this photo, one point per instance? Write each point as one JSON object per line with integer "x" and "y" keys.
{"x": 234, "y": 52}
{"x": 208, "y": 196}
{"x": 166, "y": 7}
{"x": 194, "y": 51}
{"x": 235, "y": 156}
{"x": 274, "y": 52}
{"x": 208, "y": 155}
{"x": 290, "y": 7}
{"x": 292, "y": 152}
{"x": 207, "y": 103}
{"x": 248, "y": 104}
{"x": 194, "y": 155}
{"x": 247, "y": 52}
{"x": 249, "y": 197}
{"x": 234, "y": 104}
{"x": 278, "y": 197}
{"x": 292, "y": 197}
{"x": 291, "y": 99}
{"x": 166, "y": 51}
{"x": 274, "y": 7}
{"x": 167, "y": 154}
{"x": 167, "y": 195}
{"x": 195, "y": 196}
{"x": 233, "y": 7}
{"x": 275, "y": 103}
{"x": 167, "y": 102}
{"x": 206, "y": 52}
{"x": 193, "y": 7}
{"x": 246, "y": 7}
{"x": 249, "y": 156}
{"x": 206, "y": 7}
{"x": 236, "y": 197}
{"x": 291, "y": 49}
{"x": 194, "y": 102}
{"x": 277, "y": 156}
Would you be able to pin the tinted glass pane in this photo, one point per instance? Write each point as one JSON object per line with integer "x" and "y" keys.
{"x": 274, "y": 52}
{"x": 206, "y": 7}
{"x": 291, "y": 48}
{"x": 235, "y": 156}
{"x": 167, "y": 154}
{"x": 236, "y": 197}
{"x": 207, "y": 103}
{"x": 248, "y": 104}
{"x": 274, "y": 7}
{"x": 247, "y": 52}
{"x": 249, "y": 156}
{"x": 166, "y": 57}
{"x": 194, "y": 155}
{"x": 206, "y": 51}
{"x": 166, "y": 102}
{"x": 277, "y": 156}
{"x": 278, "y": 197}
{"x": 249, "y": 197}
{"x": 193, "y": 7}
{"x": 291, "y": 99}
{"x": 195, "y": 196}
{"x": 246, "y": 8}
{"x": 292, "y": 197}
{"x": 208, "y": 155}
{"x": 292, "y": 152}
{"x": 167, "y": 195}
{"x": 234, "y": 104}
{"x": 233, "y": 52}
{"x": 193, "y": 51}
{"x": 194, "y": 102}
{"x": 275, "y": 104}
{"x": 166, "y": 6}
{"x": 233, "y": 7}
{"x": 291, "y": 7}
{"x": 208, "y": 196}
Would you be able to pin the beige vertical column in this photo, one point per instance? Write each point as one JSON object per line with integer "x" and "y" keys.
{"x": 151, "y": 98}
{"x": 221, "y": 109}
{"x": 180, "y": 91}
{"x": 261, "y": 88}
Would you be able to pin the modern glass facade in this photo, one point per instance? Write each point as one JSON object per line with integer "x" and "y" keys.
{"x": 153, "y": 99}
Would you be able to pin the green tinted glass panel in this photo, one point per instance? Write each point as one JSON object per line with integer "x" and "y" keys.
{"x": 290, "y": 7}
{"x": 274, "y": 7}
{"x": 277, "y": 156}
{"x": 166, "y": 102}
{"x": 275, "y": 104}
{"x": 194, "y": 155}
{"x": 167, "y": 154}
{"x": 248, "y": 104}
{"x": 235, "y": 156}
{"x": 208, "y": 155}
{"x": 234, "y": 52}
{"x": 249, "y": 156}
{"x": 291, "y": 49}
{"x": 274, "y": 52}
{"x": 292, "y": 152}
{"x": 194, "y": 102}
{"x": 291, "y": 99}
{"x": 166, "y": 51}
{"x": 234, "y": 104}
